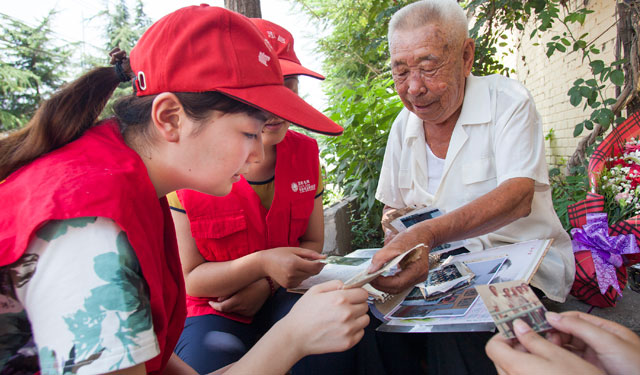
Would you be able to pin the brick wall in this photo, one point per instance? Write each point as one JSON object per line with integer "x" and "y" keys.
{"x": 549, "y": 79}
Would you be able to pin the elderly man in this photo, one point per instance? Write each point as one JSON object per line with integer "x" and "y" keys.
{"x": 470, "y": 146}
{"x": 473, "y": 148}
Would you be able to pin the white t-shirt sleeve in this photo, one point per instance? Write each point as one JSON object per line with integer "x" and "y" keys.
{"x": 518, "y": 140}
{"x": 86, "y": 299}
{"x": 388, "y": 191}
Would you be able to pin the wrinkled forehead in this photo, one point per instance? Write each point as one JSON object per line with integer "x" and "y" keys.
{"x": 430, "y": 42}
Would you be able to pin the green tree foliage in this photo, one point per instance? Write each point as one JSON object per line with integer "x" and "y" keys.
{"x": 123, "y": 30}
{"x": 496, "y": 19}
{"x": 31, "y": 66}
{"x": 361, "y": 98}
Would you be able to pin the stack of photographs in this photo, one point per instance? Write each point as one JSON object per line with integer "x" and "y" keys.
{"x": 453, "y": 304}
{"x": 445, "y": 279}
{"x": 459, "y": 310}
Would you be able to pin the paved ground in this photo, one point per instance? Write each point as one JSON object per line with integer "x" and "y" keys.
{"x": 626, "y": 311}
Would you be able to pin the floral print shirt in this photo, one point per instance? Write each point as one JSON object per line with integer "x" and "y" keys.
{"x": 75, "y": 303}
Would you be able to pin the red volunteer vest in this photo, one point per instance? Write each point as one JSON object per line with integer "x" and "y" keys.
{"x": 230, "y": 227}
{"x": 98, "y": 175}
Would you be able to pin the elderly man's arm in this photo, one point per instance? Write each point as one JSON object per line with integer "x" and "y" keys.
{"x": 508, "y": 202}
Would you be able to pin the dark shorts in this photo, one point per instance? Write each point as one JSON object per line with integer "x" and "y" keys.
{"x": 210, "y": 342}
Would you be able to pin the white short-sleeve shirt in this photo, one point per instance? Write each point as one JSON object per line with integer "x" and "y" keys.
{"x": 498, "y": 136}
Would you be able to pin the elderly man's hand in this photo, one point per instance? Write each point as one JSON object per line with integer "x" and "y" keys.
{"x": 414, "y": 272}
{"x": 389, "y": 214}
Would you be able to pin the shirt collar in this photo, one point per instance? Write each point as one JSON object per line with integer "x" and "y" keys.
{"x": 414, "y": 126}
{"x": 476, "y": 106}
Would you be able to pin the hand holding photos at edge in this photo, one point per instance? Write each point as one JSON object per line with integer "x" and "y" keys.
{"x": 411, "y": 273}
{"x": 289, "y": 266}
{"x": 582, "y": 343}
{"x": 338, "y": 328}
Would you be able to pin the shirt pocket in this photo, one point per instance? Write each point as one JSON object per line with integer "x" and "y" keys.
{"x": 478, "y": 177}
{"x": 223, "y": 237}
{"x": 301, "y": 210}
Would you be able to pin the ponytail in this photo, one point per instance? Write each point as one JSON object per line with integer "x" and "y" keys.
{"x": 61, "y": 119}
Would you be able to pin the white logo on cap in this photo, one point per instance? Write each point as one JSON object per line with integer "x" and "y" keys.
{"x": 271, "y": 34}
{"x": 266, "y": 43}
{"x": 263, "y": 58}
{"x": 281, "y": 39}
{"x": 294, "y": 187}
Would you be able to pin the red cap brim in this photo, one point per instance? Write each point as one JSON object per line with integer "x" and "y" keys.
{"x": 285, "y": 104}
{"x": 290, "y": 68}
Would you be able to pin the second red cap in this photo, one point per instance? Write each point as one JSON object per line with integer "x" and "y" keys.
{"x": 203, "y": 48}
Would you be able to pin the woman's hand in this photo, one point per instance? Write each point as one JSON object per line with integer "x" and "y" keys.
{"x": 289, "y": 266}
{"x": 247, "y": 301}
{"x": 583, "y": 344}
{"x": 327, "y": 319}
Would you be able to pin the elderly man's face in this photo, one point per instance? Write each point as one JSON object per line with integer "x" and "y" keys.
{"x": 429, "y": 72}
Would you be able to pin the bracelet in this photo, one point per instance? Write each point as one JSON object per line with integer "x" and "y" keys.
{"x": 271, "y": 285}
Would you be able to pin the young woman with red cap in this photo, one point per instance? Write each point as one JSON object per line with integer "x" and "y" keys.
{"x": 90, "y": 275}
{"x": 238, "y": 250}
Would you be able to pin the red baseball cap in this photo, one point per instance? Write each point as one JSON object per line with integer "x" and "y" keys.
{"x": 282, "y": 42}
{"x": 204, "y": 48}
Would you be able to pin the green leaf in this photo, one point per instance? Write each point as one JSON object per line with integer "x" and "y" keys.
{"x": 597, "y": 66}
{"x": 579, "y": 44}
{"x": 578, "y": 81}
{"x": 592, "y": 82}
{"x": 609, "y": 101}
{"x": 550, "y": 51}
{"x": 593, "y": 97}
{"x": 603, "y": 121}
{"x": 565, "y": 42}
{"x": 578, "y": 130}
{"x": 617, "y": 77}
{"x": 619, "y": 62}
{"x": 588, "y": 124}
{"x": 585, "y": 91}
{"x": 607, "y": 115}
{"x": 575, "y": 98}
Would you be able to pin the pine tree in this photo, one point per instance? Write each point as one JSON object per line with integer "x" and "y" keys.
{"x": 123, "y": 31}
{"x": 31, "y": 67}
{"x": 142, "y": 21}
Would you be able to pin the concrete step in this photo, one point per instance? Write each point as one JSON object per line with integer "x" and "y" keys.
{"x": 625, "y": 312}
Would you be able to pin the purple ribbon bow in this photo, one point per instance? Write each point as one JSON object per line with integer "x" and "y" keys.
{"x": 606, "y": 251}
